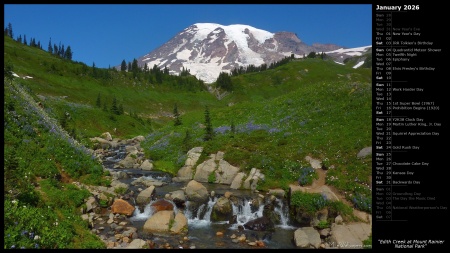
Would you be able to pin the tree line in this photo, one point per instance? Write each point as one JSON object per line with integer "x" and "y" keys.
{"x": 58, "y": 50}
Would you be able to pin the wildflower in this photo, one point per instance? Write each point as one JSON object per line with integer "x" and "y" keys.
{"x": 13, "y": 246}
{"x": 36, "y": 246}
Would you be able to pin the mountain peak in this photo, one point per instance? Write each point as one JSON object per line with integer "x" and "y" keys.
{"x": 207, "y": 49}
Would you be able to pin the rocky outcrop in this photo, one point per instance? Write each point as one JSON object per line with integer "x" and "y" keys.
{"x": 217, "y": 170}
{"x": 204, "y": 169}
{"x": 237, "y": 181}
{"x": 252, "y": 180}
{"x": 225, "y": 172}
{"x": 185, "y": 173}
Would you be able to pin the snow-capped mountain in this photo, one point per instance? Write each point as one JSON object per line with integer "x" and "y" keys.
{"x": 339, "y": 55}
{"x": 206, "y": 49}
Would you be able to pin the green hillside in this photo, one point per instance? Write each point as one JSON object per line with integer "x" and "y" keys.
{"x": 271, "y": 120}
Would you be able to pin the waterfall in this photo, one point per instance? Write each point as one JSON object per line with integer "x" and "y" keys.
{"x": 202, "y": 216}
{"x": 244, "y": 213}
{"x": 138, "y": 216}
{"x": 148, "y": 211}
{"x": 118, "y": 154}
{"x": 209, "y": 208}
{"x": 283, "y": 211}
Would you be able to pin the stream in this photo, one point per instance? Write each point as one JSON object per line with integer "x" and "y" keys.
{"x": 202, "y": 232}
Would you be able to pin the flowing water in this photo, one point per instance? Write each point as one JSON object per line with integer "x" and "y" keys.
{"x": 201, "y": 230}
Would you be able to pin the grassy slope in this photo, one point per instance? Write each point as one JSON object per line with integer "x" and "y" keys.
{"x": 55, "y": 78}
{"x": 306, "y": 107}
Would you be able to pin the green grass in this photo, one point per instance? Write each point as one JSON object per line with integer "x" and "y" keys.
{"x": 305, "y": 107}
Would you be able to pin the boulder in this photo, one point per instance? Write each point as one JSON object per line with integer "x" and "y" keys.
{"x": 162, "y": 205}
{"x": 145, "y": 196}
{"x": 107, "y": 136}
{"x": 159, "y": 222}
{"x": 226, "y": 172}
{"x": 146, "y": 165}
{"x": 178, "y": 198}
{"x": 307, "y": 237}
{"x": 204, "y": 169}
{"x": 196, "y": 192}
{"x": 350, "y": 235}
{"x": 180, "y": 224}
{"x": 237, "y": 181}
{"x": 222, "y": 210}
{"x": 121, "y": 206}
{"x": 260, "y": 224}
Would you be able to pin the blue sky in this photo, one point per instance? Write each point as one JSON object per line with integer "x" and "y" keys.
{"x": 109, "y": 33}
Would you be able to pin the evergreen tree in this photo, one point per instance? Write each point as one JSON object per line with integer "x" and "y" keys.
{"x": 209, "y": 133}
{"x": 121, "y": 111}
{"x": 94, "y": 70}
{"x": 134, "y": 65}
{"x": 135, "y": 68}
{"x": 176, "y": 115}
{"x": 68, "y": 54}
{"x": 233, "y": 128}
{"x": 224, "y": 81}
{"x": 19, "y": 39}
{"x": 129, "y": 67}
{"x": 105, "y": 108}
{"x": 59, "y": 49}
{"x": 186, "y": 144}
{"x": 10, "y": 31}
{"x": 145, "y": 69}
{"x": 8, "y": 71}
{"x": 98, "y": 103}
{"x": 25, "y": 40}
{"x": 123, "y": 66}
{"x": 32, "y": 42}
{"x": 62, "y": 52}
{"x": 312, "y": 55}
{"x": 159, "y": 77}
{"x": 55, "y": 49}
{"x": 114, "y": 108}
{"x": 50, "y": 48}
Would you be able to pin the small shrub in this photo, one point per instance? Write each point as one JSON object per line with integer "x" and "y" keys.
{"x": 362, "y": 202}
{"x": 306, "y": 176}
{"x": 120, "y": 190}
{"x": 212, "y": 177}
{"x": 323, "y": 224}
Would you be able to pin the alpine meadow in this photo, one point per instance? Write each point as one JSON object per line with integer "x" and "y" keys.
{"x": 301, "y": 126}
